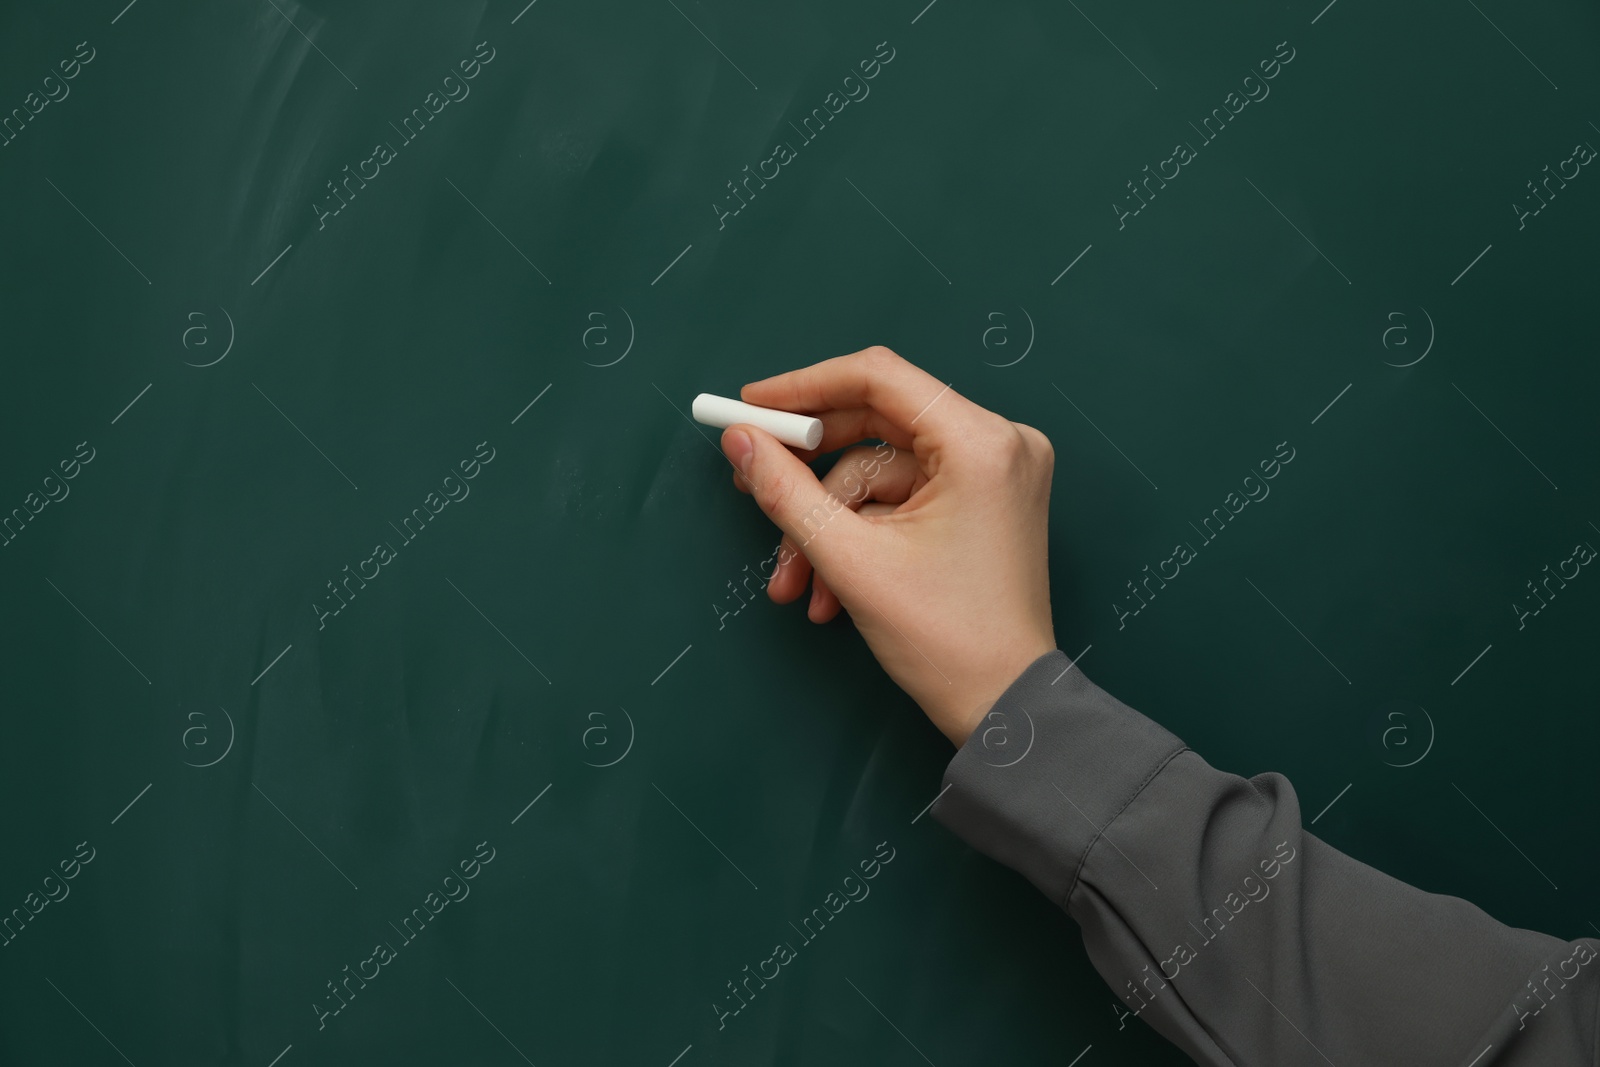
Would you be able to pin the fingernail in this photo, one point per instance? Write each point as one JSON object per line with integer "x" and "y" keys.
{"x": 740, "y": 449}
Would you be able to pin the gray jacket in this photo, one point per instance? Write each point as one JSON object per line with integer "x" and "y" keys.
{"x": 1228, "y": 928}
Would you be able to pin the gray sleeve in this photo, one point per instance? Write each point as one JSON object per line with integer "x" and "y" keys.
{"x": 1233, "y": 932}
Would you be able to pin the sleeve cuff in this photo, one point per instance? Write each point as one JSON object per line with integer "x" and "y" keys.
{"x": 1047, "y": 770}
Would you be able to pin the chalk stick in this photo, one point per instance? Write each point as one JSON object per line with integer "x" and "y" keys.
{"x": 800, "y": 431}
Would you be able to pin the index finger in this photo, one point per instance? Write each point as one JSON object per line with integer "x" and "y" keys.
{"x": 907, "y": 396}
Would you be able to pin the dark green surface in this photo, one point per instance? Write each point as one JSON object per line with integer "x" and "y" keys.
{"x": 379, "y": 751}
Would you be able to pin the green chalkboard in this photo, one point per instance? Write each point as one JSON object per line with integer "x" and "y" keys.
{"x": 382, "y": 683}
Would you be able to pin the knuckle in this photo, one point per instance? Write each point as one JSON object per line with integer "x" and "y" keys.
{"x": 854, "y": 459}
{"x": 880, "y": 356}
{"x": 1008, "y": 442}
{"x": 1038, "y": 443}
{"x": 993, "y": 448}
{"x": 853, "y": 474}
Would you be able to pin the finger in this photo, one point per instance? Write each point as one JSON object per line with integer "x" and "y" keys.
{"x": 790, "y": 575}
{"x": 910, "y": 398}
{"x": 861, "y": 475}
{"x": 825, "y": 605}
{"x": 842, "y": 428}
{"x": 884, "y": 473}
{"x": 789, "y": 494}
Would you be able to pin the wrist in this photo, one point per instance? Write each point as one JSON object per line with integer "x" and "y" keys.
{"x": 962, "y": 717}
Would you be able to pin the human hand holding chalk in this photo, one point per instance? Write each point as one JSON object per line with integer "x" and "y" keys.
{"x": 800, "y": 431}
{"x": 934, "y": 541}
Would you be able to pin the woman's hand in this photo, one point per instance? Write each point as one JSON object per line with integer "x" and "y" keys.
{"x": 934, "y": 542}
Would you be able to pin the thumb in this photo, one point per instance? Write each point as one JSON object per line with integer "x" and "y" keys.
{"x": 814, "y": 518}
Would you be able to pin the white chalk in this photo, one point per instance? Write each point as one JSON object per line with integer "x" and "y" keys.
{"x": 801, "y": 431}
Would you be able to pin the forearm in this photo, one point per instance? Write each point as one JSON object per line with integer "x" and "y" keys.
{"x": 1219, "y": 921}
